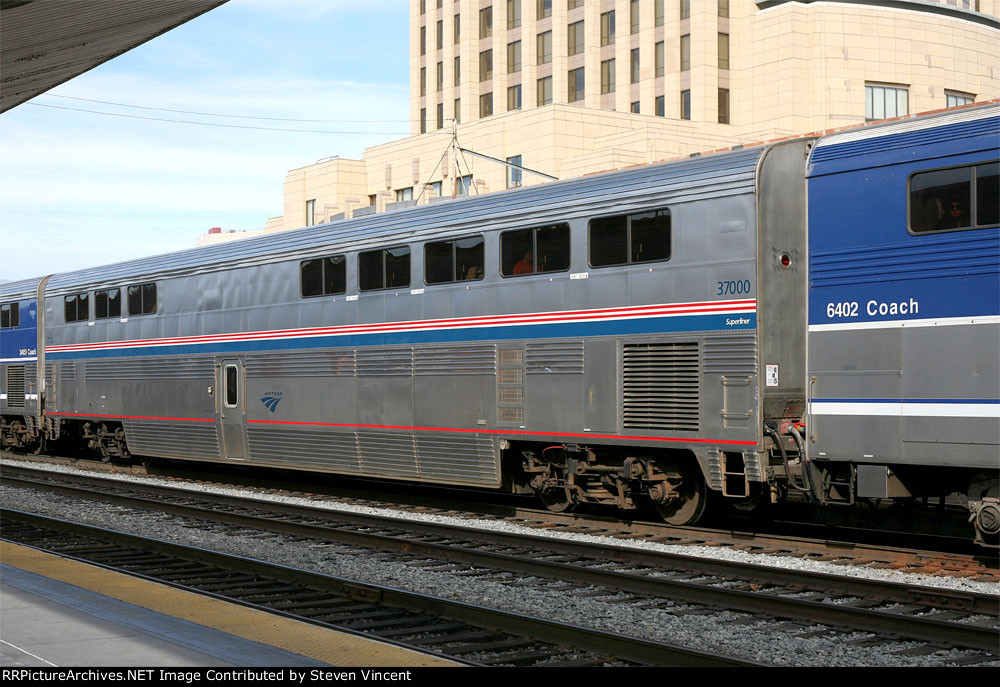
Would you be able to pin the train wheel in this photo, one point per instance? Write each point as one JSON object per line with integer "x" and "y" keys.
{"x": 557, "y": 499}
{"x": 687, "y": 503}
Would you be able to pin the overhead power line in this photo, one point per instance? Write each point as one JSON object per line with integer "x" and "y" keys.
{"x": 234, "y": 116}
{"x": 227, "y": 126}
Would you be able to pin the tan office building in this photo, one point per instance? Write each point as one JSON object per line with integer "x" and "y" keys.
{"x": 571, "y": 87}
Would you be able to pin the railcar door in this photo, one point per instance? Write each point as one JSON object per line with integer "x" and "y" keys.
{"x": 232, "y": 409}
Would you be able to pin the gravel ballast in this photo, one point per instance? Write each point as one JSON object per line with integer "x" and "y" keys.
{"x": 755, "y": 639}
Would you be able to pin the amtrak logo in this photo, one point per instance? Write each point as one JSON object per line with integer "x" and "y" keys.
{"x": 271, "y": 400}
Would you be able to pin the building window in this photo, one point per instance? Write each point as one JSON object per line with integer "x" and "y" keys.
{"x": 423, "y": 40}
{"x": 608, "y": 28}
{"x": 886, "y": 102}
{"x": 323, "y": 276}
{"x": 724, "y": 106}
{"x": 573, "y": 4}
{"x": 543, "y": 8}
{"x": 458, "y": 111}
{"x": 423, "y": 81}
{"x": 527, "y": 251}
{"x": 660, "y": 106}
{"x": 544, "y": 96}
{"x": 440, "y": 34}
{"x": 633, "y": 17}
{"x": 440, "y": 115}
{"x": 404, "y": 194}
{"x": 486, "y": 65}
{"x": 633, "y": 72}
{"x": 514, "y": 173}
{"x": 310, "y": 212}
{"x": 440, "y": 76}
{"x": 454, "y": 260}
{"x": 685, "y": 52}
{"x": 634, "y": 107}
{"x": 954, "y": 99}
{"x": 513, "y": 14}
{"x": 607, "y": 77}
{"x": 77, "y": 307}
{"x": 463, "y": 185}
{"x": 723, "y": 8}
{"x": 10, "y": 315}
{"x": 628, "y": 239}
{"x": 723, "y": 51}
{"x": 486, "y": 22}
{"x": 544, "y": 47}
{"x": 659, "y": 59}
{"x": 142, "y": 299}
{"x": 386, "y": 268}
{"x": 685, "y": 9}
{"x": 574, "y": 38}
{"x": 458, "y": 70}
{"x": 423, "y": 6}
{"x": 458, "y": 28}
{"x": 435, "y": 189}
{"x": 423, "y": 125}
{"x": 657, "y": 12}
{"x": 956, "y": 198}
{"x": 514, "y": 57}
{"x": 107, "y": 303}
{"x": 485, "y": 105}
{"x": 576, "y": 85}
{"x": 514, "y": 97}
{"x": 686, "y": 105}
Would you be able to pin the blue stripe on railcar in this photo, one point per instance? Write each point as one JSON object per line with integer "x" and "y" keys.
{"x": 687, "y": 323}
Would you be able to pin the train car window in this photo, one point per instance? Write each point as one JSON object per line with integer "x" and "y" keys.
{"x": 458, "y": 260}
{"x": 107, "y": 303}
{"x": 77, "y": 307}
{"x": 955, "y": 198}
{"x": 386, "y": 268}
{"x": 142, "y": 299}
{"x": 627, "y": 239}
{"x": 988, "y": 194}
{"x": 10, "y": 315}
{"x": 527, "y": 251}
{"x": 323, "y": 276}
{"x": 232, "y": 386}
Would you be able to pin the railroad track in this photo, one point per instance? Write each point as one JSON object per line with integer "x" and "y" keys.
{"x": 935, "y": 555}
{"x": 687, "y": 584}
{"x": 469, "y": 634}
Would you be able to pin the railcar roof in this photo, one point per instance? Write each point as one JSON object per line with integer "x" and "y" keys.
{"x": 905, "y": 132}
{"x": 720, "y": 174}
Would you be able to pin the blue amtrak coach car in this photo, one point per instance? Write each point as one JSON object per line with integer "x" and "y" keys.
{"x": 803, "y": 315}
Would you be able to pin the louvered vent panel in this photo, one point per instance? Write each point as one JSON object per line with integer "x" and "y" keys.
{"x": 562, "y": 357}
{"x": 148, "y": 369}
{"x": 50, "y": 374}
{"x": 455, "y": 360}
{"x": 15, "y": 386}
{"x": 385, "y": 362}
{"x": 180, "y": 440}
{"x": 302, "y": 364}
{"x": 731, "y": 354}
{"x": 67, "y": 372}
{"x": 660, "y": 384}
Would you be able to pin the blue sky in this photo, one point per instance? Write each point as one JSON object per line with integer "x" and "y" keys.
{"x": 87, "y": 189}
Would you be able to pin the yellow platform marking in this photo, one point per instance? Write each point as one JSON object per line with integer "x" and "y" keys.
{"x": 330, "y": 646}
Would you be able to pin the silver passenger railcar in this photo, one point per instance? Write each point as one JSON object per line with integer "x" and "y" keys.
{"x": 633, "y": 337}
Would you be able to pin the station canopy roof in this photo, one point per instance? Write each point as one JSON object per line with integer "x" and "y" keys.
{"x": 44, "y": 43}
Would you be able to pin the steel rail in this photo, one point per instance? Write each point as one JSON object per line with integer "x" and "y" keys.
{"x": 401, "y": 540}
{"x": 606, "y": 643}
